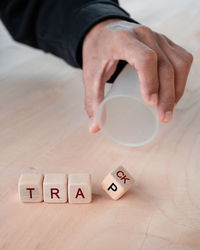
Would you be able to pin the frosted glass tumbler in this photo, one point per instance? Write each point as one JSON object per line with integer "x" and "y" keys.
{"x": 123, "y": 115}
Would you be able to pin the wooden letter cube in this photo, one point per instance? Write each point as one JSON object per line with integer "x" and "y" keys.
{"x": 55, "y": 188}
{"x": 30, "y": 187}
{"x": 80, "y": 188}
{"x": 117, "y": 183}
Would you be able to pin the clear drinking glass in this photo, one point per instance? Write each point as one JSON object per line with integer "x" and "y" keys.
{"x": 123, "y": 115}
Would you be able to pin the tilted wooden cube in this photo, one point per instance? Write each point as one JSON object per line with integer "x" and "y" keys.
{"x": 55, "y": 188}
{"x": 80, "y": 188}
{"x": 117, "y": 182}
{"x": 30, "y": 187}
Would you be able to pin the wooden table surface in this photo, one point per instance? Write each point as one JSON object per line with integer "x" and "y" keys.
{"x": 44, "y": 129}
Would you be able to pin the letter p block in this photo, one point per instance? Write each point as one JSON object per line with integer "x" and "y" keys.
{"x": 117, "y": 183}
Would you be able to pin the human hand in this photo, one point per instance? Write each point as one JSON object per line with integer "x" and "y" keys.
{"x": 162, "y": 65}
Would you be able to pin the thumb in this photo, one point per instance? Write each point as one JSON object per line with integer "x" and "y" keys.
{"x": 94, "y": 95}
{"x": 93, "y": 101}
{"x": 94, "y": 92}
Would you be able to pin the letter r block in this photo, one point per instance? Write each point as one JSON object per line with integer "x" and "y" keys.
{"x": 30, "y": 187}
{"x": 117, "y": 182}
{"x": 55, "y": 188}
{"x": 80, "y": 188}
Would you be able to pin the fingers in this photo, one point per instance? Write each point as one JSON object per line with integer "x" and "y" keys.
{"x": 144, "y": 59}
{"x": 94, "y": 94}
{"x": 155, "y": 71}
{"x": 165, "y": 75}
{"x": 166, "y": 91}
{"x": 187, "y": 55}
{"x": 94, "y": 78}
{"x": 162, "y": 67}
{"x": 180, "y": 64}
{"x": 146, "y": 66}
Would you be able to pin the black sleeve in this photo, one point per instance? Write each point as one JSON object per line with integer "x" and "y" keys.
{"x": 58, "y": 26}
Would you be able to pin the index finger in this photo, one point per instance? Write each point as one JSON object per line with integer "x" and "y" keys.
{"x": 145, "y": 61}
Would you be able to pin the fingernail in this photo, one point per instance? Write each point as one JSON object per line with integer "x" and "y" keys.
{"x": 93, "y": 126}
{"x": 167, "y": 116}
{"x": 153, "y": 100}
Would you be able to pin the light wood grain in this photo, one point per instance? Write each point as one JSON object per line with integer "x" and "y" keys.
{"x": 44, "y": 129}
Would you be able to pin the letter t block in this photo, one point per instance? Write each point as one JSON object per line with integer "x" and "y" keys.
{"x": 117, "y": 182}
{"x": 30, "y": 187}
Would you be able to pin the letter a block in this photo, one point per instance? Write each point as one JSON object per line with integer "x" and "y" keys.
{"x": 30, "y": 187}
{"x": 117, "y": 183}
{"x": 55, "y": 188}
{"x": 79, "y": 188}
